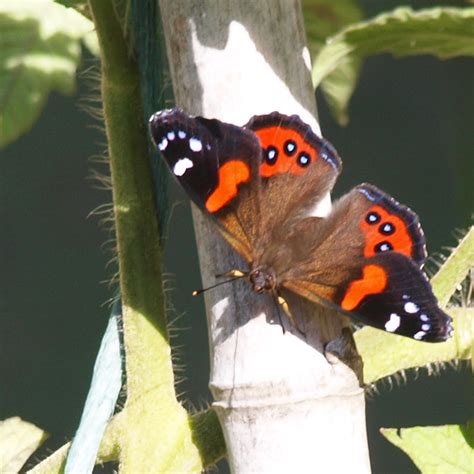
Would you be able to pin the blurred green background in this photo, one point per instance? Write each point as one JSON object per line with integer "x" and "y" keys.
{"x": 411, "y": 133}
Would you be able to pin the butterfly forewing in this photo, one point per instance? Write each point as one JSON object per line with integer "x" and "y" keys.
{"x": 392, "y": 294}
{"x": 218, "y": 166}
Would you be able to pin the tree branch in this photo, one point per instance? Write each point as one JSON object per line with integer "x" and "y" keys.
{"x": 283, "y": 406}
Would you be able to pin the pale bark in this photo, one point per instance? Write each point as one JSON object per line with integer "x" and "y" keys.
{"x": 283, "y": 404}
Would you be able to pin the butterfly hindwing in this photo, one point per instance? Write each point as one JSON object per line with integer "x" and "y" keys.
{"x": 388, "y": 225}
{"x": 363, "y": 223}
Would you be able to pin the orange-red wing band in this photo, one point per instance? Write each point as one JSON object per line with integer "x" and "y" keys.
{"x": 277, "y": 136}
{"x": 400, "y": 239}
{"x": 231, "y": 174}
{"x": 373, "y": 281}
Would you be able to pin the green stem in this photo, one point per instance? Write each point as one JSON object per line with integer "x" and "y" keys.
{"x": 208, "y": 437}
{"x": 153, "y": 432}
{"x": 454, "y": 269}
{"x": 139, "y": 253}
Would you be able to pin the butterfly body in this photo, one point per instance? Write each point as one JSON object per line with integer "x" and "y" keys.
{"x": 260, "y": 182}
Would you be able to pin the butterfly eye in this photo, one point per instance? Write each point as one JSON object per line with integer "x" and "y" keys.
{"x": 304, "y": 159}
{"x": 271, "y": 155}
{"x": 387, "y": 229}
{"x": 383, "y": 247}
{"x": 290, "y": 147}
{"x": 372, "y": 218}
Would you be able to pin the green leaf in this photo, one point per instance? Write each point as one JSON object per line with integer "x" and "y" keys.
{"x": 18, "y": 440}
{"x": 53, "y": 464}
{"x": 339, "y": 87}
{"x": 436, "y": 449}
{"x": 39, "y": 53}
{"x": 401, "y": 353}
{"x": 443, "y": 32}
{"x": 207, "y": 437}
{"x": 324, "y": 18}
{"x": 454, "y": 269}
{"x": 72, "y": 3}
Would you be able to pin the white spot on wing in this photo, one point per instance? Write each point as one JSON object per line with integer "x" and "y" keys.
{"x": 195, "y": 144}
{"x": 171, "y": 136}
{"x": 181, "y": 134}
{"x": 163, "y": 144}
{"x": 393, "y": 323}
{"x": 419, "y": 335}
{"x": 426, "y": 327}
{"x": 424, "y": 317}
{"x": 181, "y": 166}
{"x": 411, "y": 307}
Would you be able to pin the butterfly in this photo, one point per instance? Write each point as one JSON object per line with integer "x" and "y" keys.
{"x": 259, "y": 182}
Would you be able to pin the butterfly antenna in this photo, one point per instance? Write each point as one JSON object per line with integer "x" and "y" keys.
{"x": 234, "y": 274}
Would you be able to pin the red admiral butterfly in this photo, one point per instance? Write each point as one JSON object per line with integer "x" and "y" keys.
{"x": 259, "y": 182}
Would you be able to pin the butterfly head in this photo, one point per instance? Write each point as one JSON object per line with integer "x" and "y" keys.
{"x": 263, "y": 279}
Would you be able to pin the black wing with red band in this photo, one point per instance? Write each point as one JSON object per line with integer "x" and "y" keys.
{"x": 209, "y": 158}
{"x": 218, "y": 166}
{"x": 392, "y": 294}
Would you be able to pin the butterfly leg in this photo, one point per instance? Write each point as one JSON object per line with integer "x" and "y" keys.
{"x": 280, "y": 321}
{"x": 284, "y": 305}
